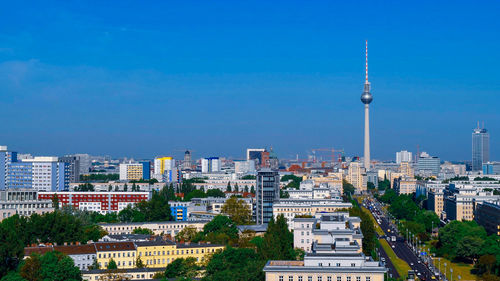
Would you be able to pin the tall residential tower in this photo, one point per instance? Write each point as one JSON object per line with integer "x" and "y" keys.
{"x": 366, "y": 99}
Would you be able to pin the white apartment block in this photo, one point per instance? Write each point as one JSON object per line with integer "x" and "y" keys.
{"x": 165, "y": 227}
{"x": 291, "y": 208}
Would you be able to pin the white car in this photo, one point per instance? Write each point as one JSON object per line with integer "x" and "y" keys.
{"x": 411, "y": 264}
{"x": 418, "y": 274}
{"x": 393, "y": 246}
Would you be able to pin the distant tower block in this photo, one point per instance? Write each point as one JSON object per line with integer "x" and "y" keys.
{"x": 186, "y": 165}
{"x": 367, "y": 98}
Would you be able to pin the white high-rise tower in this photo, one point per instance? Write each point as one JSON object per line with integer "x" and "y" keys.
{"x": 366, "y": 99}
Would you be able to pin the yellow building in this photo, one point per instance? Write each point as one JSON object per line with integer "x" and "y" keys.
{"x": 160, "y": 253}
{"x": 162, "y": 164}
{"x": 357, "y": 176}
{"x": 131, "y": 171}
{"x": 123, "y": 253}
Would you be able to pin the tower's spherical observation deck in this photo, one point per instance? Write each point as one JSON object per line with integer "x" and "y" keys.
{"x": 366, "y": 98}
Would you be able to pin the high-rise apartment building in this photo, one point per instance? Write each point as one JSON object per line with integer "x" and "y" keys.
{"x": 164, "y": 167}
{"x": 491, "y": 168}
{"x": 268, "y": 191}
{"x": 131, "y": 171}
{"x": 73, "y": 166}
{"x": 357, "y": 176}
{"x": 480, "y": 148}
{"x": 406, "y": 169}
{"x": 6, "y": 157}
{"x": 210, "y": 165}
{"x": 403, "y": 156}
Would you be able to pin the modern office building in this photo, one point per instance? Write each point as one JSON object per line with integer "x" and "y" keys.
{"x": 73, "y": 167}
{"x": 428, "y": 165}
{"x": 210, "y": 164}
{"x": 405, "y": 185}
{"x": 267, "y": 192}
{"x": 491, "y": 168}
{"x": 85, "y": 162}
{"x": 480, "y": 148}
{"x": 403, "y": 156}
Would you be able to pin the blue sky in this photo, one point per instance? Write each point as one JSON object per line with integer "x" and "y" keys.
{"x": 143, "y": 78}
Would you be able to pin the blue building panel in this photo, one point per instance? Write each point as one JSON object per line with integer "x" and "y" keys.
{"x": 146, "y": 170}
{"x": 179, "y": 213}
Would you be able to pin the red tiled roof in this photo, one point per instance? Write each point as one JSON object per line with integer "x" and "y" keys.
{"x": 114, "y": 246}
{"x": 76, "y": 249}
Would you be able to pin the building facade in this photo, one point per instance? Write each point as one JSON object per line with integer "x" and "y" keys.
{"x": 267, "y": 192}
{"x": 480, "y": 148}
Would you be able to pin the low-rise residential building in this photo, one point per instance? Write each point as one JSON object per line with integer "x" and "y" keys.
{"x": 122, "y": 274}
{"x": 83, "y": 256}
{"x": 123, "y": 253}
{"x": 158, "y": 228}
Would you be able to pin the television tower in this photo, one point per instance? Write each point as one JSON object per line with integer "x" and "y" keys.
{"x": 367, "y": 98}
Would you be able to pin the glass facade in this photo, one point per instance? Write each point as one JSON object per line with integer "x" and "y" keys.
{"x": 480, "y": 148}
{"x": 268, "y": 191}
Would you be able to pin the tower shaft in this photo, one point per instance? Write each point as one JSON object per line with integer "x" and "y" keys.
{"x": 367, "y": 137}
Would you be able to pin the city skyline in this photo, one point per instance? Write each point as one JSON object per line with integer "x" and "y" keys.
{"x": 109, "y": 82}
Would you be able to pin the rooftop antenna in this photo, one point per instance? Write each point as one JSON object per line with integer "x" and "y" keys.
{"x": 483, "y": 124}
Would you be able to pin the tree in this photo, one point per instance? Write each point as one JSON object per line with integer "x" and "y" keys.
{"x": 235, "y": 264}
{"x": 248, "y": 177}
{"x": 215, "y": 193}
{"x": 55, "y": 202}
{"x": 284, "y": 194}
{"x": 110, "y": 188}
{"x": 485, "y": 264}
{"x": 370, "y": 185}
{"x": 237, "y": 210}
{"x": 95, "y": 265}
{"x": 236, "y": 188}
{"x": 347, "y": 188}
{"x": 252, "y": 189}
{"x": 228, "y": 188}
{"x": 220, "y": 229}
{"x": 51, "y": 266}
{"x": 139, "y": 263}
{"x": 469, "y": 247}
{"x": 112, "y": 264}
{"x": 246, "y": 188}
{"x": 141, "y": 230}
{"x": 194, "y": 194}
{"x": 278, "y": 241}
{"x": 187, "y": 234}
{"x": 182, "y": 268}
{"x": 31, "y": 268}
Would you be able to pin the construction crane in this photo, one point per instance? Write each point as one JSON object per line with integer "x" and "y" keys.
{"x": 333, "y": 151}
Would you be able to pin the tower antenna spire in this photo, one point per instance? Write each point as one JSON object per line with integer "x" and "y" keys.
{"x": 366, "y": 64}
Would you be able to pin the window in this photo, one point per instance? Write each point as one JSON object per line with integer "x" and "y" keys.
{"x": 300, "y": 277}
{"x": 280, "y": 278}
{"x": 358, "y": 278}
{"x": 309, "y": 278}
{"x": 339, "y": 278}
{"x": 338, "y": 264}
{"x": 348, "y": 278}
{"x": 329, "y": 278}
{"x": 320, "y": 278}
{"x": 367, "y": 278}
{"x": 290, "y": 278}
{"x": 353, "y": 264}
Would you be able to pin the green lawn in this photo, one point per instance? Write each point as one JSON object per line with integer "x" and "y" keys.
{"x": 401, "y": 266}
{"x": 461, "y": 269}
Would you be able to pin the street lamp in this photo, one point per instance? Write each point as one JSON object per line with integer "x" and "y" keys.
{"x": 444, "y": 271}
{"x": 451, "y": 274}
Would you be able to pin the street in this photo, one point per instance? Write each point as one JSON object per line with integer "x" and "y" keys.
{"x": 399, "y": 246}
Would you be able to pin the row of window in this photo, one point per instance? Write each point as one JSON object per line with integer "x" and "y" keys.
{"x": 320, "y": 278}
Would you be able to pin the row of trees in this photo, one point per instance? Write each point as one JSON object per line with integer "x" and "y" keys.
{"x": 367, "y": 228}
{"x": 100, "y": 177}
{"x": 57, "y": 227}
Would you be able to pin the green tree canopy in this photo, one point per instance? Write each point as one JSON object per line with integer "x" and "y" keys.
{"x": 237, "y": 210}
